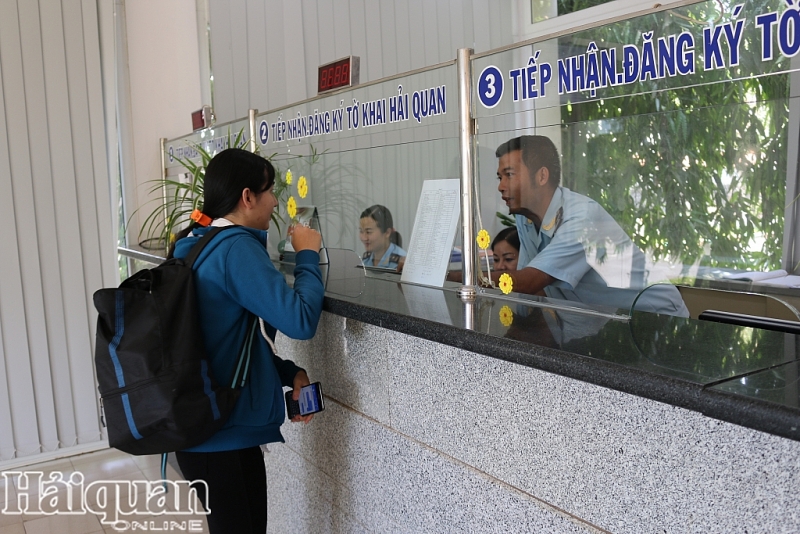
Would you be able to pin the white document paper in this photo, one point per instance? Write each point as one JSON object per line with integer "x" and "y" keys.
{"x": 435, "y": 226}
{"x": 757, "y": 276}
{"x": 783, "y": 281}
{"x": 778, "y": 278}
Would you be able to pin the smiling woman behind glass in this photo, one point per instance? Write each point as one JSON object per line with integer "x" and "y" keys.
{"x": 381, "y": 241}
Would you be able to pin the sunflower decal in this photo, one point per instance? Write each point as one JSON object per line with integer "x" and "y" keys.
{"x": 506, "y": 283}
{"x": 288, "y": 177}
{"x": 506, "y": 316}
{"x": 483, "y": 239}
{"x": 302, "y": 187}
{"x": 291, "y": 207}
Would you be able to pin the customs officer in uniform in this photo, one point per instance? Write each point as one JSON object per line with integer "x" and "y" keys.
{"x": 570, "y": 247}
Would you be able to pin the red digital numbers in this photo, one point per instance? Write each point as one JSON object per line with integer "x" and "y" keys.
{"x": 334, "y": 76}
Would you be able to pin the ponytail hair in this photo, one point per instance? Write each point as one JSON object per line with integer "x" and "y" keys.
{"x": 228, "y": 174}
{"x": 383, "y": 218}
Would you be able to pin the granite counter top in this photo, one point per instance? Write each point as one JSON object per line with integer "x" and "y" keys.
{"x": 741, "y": 375}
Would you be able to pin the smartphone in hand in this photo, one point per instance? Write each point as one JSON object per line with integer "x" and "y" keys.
{"x": 311, "y": 401}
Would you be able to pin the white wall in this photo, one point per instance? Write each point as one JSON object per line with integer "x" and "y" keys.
{"x": 160, "y": 88}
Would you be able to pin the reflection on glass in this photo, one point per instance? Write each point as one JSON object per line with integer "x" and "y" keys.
{"x": 382, "y": 243}
{"x": 344, "y": 275}
{"x": 691, "y": 158}
{"x": 707, "y": 351}
{"x": 570, "y": 247}
{"x": 542, "y": 325}
{"x": 687, "y": 185}
{"x": 780, "y": 384}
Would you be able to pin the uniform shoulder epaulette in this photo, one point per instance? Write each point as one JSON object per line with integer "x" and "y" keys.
{"x": 555, "y": 222}
{"x": 365, "y": 256}
{"x": 559, "y": 218}
{"x": 394, "y": 258}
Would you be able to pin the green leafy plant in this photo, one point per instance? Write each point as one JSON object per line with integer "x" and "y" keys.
{"x": 696, "y": 173}
{"x": 179, "y": 198}
{"x": 506, "y": 220}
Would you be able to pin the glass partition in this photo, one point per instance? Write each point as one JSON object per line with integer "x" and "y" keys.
{"x": 678, "y": 163}
{"x": 675, "y": 159}
{"x": 208, "y": 141}
{"x": 364, "y": 150}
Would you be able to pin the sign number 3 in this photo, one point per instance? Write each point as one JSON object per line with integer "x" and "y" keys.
{"x": 490, "y": 86}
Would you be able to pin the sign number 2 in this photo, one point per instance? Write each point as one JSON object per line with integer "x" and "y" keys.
{"x": 263, "y": 132}
{"x": 490, "y": 86}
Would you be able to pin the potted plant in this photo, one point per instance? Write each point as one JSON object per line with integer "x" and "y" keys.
{"x": 179, "y": 198}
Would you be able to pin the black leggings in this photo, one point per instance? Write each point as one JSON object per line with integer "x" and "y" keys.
{"x": 237, "y": 488}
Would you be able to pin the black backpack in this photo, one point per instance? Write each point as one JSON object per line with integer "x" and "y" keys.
{"x": 155, "y": 381}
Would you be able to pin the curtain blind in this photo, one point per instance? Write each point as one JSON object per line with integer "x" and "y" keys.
{"x": 57, "y": 242}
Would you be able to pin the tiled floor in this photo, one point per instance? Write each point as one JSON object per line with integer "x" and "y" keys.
{"x": 99, "y": 467}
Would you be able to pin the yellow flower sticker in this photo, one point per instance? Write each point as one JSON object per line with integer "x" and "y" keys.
{"x": 302, "y": 187}
{"x": 288, "y": 177}
{"x": 506, "y": 316}
{"x": 291, "y": 207}
{"x": 483, "y": 239}
{"x": 506, "y": 283}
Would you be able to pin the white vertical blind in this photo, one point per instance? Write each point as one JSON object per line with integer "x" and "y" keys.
{"x": 57, "y": 243}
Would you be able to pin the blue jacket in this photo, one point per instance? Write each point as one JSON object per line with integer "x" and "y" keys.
{"x": 234, "y": 276}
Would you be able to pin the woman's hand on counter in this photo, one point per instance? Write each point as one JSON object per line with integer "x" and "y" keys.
{"x": 305, "y": 238}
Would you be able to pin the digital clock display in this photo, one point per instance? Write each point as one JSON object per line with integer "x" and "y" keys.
{"x": 341, "y": 73}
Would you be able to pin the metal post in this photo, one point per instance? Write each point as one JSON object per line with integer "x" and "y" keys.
{"x": 163, "y": 142}
{"x": 465, "y": 133}
{"x": 791, "y": 237}
{"x": 469, "y": 313}
{"x": 251, "y": 118}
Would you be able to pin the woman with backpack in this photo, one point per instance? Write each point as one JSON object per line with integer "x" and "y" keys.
{"x": 235, "y": 279}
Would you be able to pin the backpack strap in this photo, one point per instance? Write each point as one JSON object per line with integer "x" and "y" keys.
{"x": 201, "y": 244}
{"x": 242, "y": 369}
{"x": 164, "y": 471}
